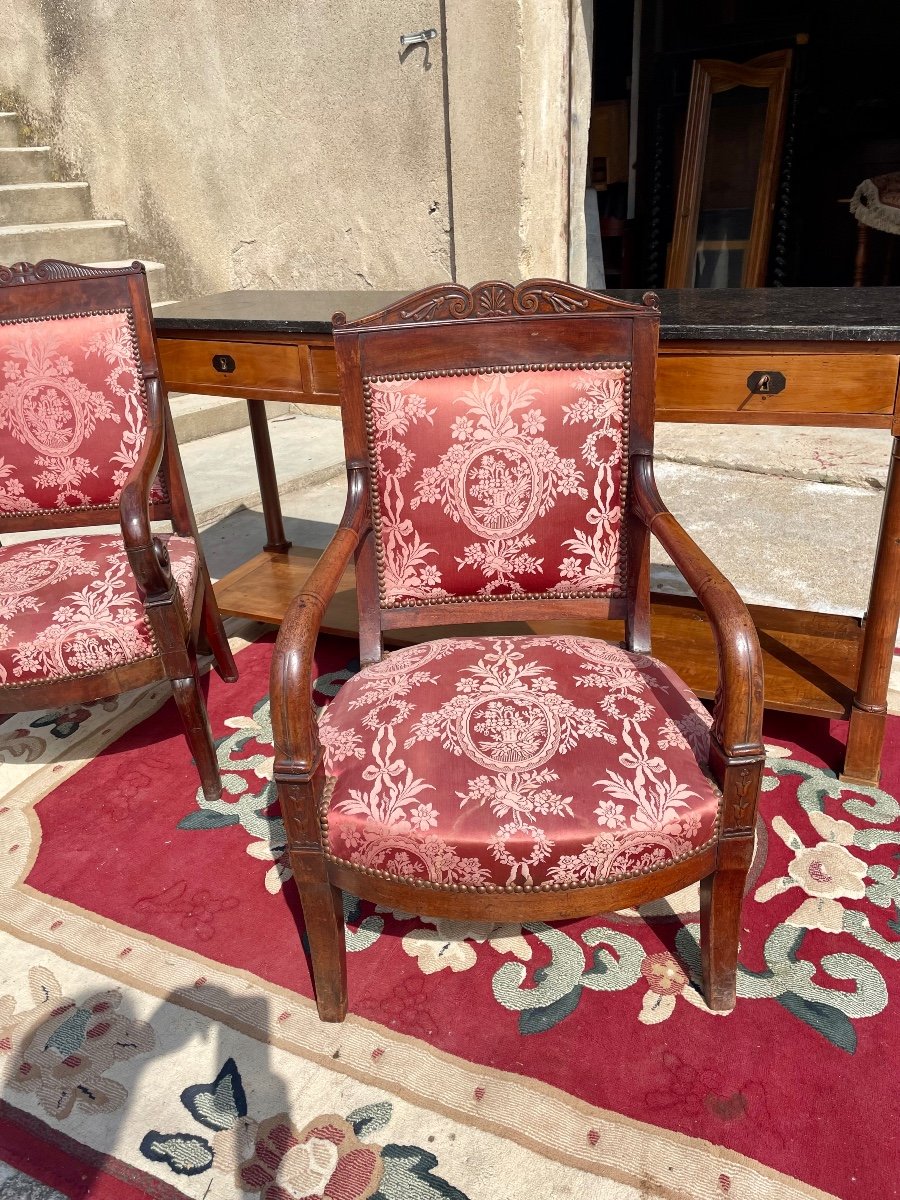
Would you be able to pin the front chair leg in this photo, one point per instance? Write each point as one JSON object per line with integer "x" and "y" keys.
{"x": 323, "y": 914}
{"x": 195, "y": 719}
{"x": 720, "y": 925}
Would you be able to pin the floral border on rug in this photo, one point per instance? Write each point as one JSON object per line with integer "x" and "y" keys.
{"x": 330, "y": 1158}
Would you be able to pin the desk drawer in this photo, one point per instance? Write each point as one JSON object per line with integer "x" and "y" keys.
{"x": 323, "y": 371}
{"x": 850, "y": 384}
{"x": 241, "y": 368}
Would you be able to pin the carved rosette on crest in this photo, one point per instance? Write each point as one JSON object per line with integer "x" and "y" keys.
{"x": 494, "y": 298}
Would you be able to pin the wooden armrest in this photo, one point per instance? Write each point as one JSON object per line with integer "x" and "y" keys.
{"x": 147, "y": 555}
{"x": 297, "y": 749}
{"x": 738, "y": 707}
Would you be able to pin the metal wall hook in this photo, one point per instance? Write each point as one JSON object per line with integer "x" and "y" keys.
{"x": 422, "y": 38}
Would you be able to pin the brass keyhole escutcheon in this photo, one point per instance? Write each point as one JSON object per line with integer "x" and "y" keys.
{"x": 766, "y": 383}
{"x": 223, "y": 363}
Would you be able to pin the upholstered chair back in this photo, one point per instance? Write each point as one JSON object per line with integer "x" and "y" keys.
{"x": 497, "y": 447}
{"x": 74, "y": 412}
{"x": 499, "y": 482}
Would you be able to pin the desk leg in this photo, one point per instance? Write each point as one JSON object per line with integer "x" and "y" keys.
{"x": 862, "y": 763}
{"x": 268, "y": 484}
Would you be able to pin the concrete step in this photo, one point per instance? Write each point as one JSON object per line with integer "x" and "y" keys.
{"x": 40, "y": 203}
{"x": 73, "y": 241}
{"x": 156, "y": 275}
{"x": 9, "y": 129}
{"x": 196, "y": 417}
{"x": 25, "y": 164}
{"x": 855, "y": 457}
{"x": 221, "y": 473}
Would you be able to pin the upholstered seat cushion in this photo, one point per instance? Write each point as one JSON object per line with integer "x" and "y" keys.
{"x": 70, "y": 606}
{"x": 516, "y": 762}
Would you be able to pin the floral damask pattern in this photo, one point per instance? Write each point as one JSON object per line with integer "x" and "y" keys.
{"x": 508, "y": 483}
{"x": 73, "y": 408}
{"x": 70, "y": 606}
{"x": 518, "y": 761}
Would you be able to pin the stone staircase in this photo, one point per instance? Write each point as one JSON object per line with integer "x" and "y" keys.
{"x": 40, "y": 218}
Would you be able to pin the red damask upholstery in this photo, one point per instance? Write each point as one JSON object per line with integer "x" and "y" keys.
{"x": 499, "y": 483}
{"x": 517, "y": 761}
{"x": 69, "y": 606}
{"x": 72, "y": 401}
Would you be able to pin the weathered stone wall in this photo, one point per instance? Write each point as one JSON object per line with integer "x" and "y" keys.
{"x": 254, "y": 143}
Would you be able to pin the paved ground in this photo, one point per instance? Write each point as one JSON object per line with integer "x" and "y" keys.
{"x": 781, "y": 534}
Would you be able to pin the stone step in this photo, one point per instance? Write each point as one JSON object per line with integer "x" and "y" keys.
{"x": 221, "y": 473}
{"x": 9, "y": 129}
{"x": 40, "y": 203}
{"x": 73, "y": 241}
{"x": 156, "y": 275}
{"x": 25, "y": 164}
{"x": 196, "y": 417}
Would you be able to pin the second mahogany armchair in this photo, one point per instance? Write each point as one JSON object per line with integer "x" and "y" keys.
{"x": 86, "y": 439}
{"x": 499, "y": 448}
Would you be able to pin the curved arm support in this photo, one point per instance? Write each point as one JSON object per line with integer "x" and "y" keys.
{"x": 147, "y": 555}
{"x": 738, "y": 709}
{"x": 297, "y": 748}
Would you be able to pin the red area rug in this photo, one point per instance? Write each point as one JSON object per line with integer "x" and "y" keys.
{"x": 584, "y": 1049}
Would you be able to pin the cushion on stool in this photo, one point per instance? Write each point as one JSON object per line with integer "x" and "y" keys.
{"x": 513, "y": 762}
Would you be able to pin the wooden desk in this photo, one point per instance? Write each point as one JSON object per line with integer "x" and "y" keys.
{"x": 838, "y": 350}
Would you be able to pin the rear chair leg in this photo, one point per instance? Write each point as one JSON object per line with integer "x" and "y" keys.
{"x": 720, "y": 923}
{"x": 213, "y": 633}
{"x": 195, "y": 719}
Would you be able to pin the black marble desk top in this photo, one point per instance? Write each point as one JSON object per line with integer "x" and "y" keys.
{"x": 735, "y": 314}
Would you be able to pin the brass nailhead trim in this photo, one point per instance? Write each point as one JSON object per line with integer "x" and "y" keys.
{"x": 492, "y": 888}
{"x": 616, "y": 593}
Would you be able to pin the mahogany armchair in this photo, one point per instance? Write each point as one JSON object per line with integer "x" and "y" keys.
{"x": 86, "y": 439}
{"x": 499, "y": 447}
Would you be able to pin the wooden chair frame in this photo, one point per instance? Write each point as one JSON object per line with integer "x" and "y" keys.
{"x": 52, "y": 288}
{"x": 450, "y": 327}
{"x": 709, "y": 77}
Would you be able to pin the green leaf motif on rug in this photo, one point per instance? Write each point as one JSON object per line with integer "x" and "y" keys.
{"x": 183, "y": 1153}
{"x": 828, "y": 1021}
{"x": 220, "y": 1104}
{"x": 408, "y": 1176}
{"x": 370, "y": 1118}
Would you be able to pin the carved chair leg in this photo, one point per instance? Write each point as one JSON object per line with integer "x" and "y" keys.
{"x": 195, "y": 719}
{"x": 720, "y": 925}
{"x": 212, "y": 632}
{"x": 323, "y": 913}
